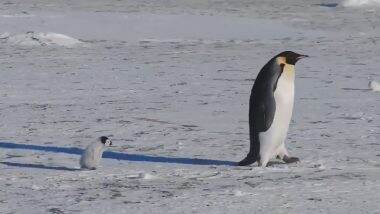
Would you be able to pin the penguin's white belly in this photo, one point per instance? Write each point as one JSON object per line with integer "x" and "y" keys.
{"x": 273, "y": 139}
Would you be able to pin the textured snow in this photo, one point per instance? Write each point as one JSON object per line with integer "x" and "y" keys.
{"x": 169, "y": 82}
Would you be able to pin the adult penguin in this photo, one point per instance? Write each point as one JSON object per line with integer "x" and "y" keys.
{"x": 270, "y": 110}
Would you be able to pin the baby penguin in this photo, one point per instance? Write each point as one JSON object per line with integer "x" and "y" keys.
{"x": 91, "y": 156}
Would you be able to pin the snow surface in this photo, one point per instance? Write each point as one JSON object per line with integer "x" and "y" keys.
{"x": 169, "y": 82}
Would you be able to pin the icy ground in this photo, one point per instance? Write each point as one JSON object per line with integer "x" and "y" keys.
{"x": 169, "y": 81}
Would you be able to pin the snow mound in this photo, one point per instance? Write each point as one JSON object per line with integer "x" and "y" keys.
{"x": 361, "y": 3}
{"x": 374, "y": 86}
{"x": 58, "y": 39}
{"x": 240, "y": 193}
{"x": 41, "y": 39}
{"x": 145, "y": 176}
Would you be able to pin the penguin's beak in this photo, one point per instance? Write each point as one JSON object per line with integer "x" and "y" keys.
{"x": 110, "y": 143}
{"x": 301, "y": 57}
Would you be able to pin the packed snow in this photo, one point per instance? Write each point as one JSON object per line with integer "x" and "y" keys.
{"x": 169, "y": 82}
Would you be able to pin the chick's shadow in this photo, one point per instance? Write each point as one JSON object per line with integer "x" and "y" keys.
{"x": 108, "y": 154}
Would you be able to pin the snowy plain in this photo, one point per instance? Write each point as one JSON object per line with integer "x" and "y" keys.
{"x": 169, "y": 82}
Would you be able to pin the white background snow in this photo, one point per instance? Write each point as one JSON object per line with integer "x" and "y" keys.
{"x": 169, "y": 82}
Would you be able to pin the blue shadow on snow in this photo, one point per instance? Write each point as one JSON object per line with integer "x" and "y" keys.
{"x": 117, "y": 155}
{"x": 38, "y": 166}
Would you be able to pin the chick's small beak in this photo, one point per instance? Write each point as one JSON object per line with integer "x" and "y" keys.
{"x": 110, "y": 143}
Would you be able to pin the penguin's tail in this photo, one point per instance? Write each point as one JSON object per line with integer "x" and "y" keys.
{"x": 250, "y": 159}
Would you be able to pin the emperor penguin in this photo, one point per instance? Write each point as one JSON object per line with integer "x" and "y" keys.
{"x": 270, "y": 110}
{"x": 91, "y": 156}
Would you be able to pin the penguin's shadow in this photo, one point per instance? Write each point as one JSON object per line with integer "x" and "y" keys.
{"x": 112, "y": 155}
{"x": 38, "y": 166}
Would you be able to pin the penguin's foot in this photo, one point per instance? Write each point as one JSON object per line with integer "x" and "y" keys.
{"x": 247, "y": 161}
{"x": 288, "y": 159}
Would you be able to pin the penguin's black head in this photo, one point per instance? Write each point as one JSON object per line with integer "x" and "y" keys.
{"x": 105, "y": 141}
{"x": 291, "y": 57}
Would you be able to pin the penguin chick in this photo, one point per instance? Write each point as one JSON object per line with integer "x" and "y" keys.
{"x": 374, "y": 86}
{"x": 93, "y": 153}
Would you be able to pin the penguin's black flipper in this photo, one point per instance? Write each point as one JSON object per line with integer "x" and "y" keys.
{"x": 250, "y": 159}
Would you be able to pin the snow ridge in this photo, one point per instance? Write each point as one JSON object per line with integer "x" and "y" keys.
{"x": 40, "y": 39}
{"x": 361, "y": 3}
